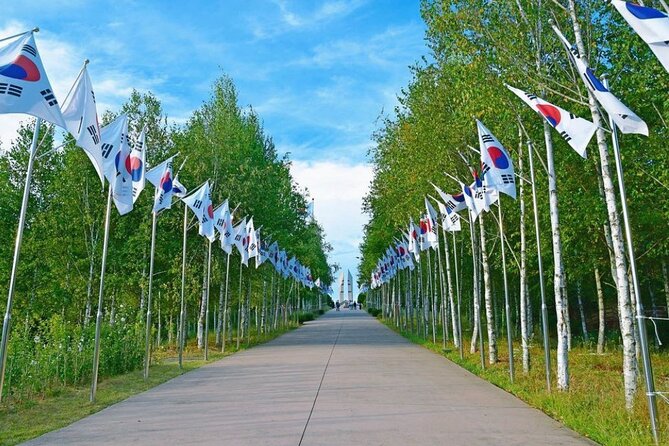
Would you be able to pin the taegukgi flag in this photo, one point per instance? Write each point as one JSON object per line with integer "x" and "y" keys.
{"x": 24, "y": 86}
{"x": 81, "y": 117}
{"x": 576, "y": 131}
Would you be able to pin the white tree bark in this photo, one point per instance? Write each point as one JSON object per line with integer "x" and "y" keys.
{"x": 559, "y": 282}
{"x": 475, "y": 292}
{"x": 600, "y": 308}
{"x": 581, "y": 310}
{"x": 449, "y": 285}
{"x": 489, "y": 310}
{"x": 630, "y": 364}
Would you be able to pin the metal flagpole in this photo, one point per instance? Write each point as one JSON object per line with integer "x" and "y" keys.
{"x": 239, "y": 305}
{"x": 506, "y": 291}
{"x": 477, "y": 286}
{"x": 17, "y": 252}
{"x": 182, "y": 312}
{"x": 206, "y": 303}
{"x": 444, "y": 316}
{"x": 457, "y": 286}
{"x": 641, "y": 323}
{"x": 432, "y": 296}
{"x": 98, "y": 320}
{"x": 544, "y": 308}
{"x": 225, "y": 303}
{"x": 147, "y": 352}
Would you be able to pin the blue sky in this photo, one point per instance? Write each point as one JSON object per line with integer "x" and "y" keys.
{"x": 319, "y": 73}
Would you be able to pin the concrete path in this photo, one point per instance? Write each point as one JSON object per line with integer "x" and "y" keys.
{"x": 344, "y": 379}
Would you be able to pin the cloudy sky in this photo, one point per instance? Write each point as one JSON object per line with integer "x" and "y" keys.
{"x": 319, "y": 73}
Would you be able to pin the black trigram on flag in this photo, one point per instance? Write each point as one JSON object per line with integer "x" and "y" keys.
{"x": 487, "y": 138}
{"x": 106, "y": 149}
{"x": 507, "y": 178}
{"x": 227, "y": 234}
{"x": 49, "y": 97}
{"x": 238, "y": 237}
{"x": 220, "y": 222}
{"x": 197, "y": 204}
{"x": 565, "y": 135}
{"x": 29, "y": 49}
{"x": 10, "y": 89}
{"x": 484, "y": 169}
{"x": 93, "y": 131}
{"x": 93, "y": 95}
{"x": 450, "y": 205}
{"x": 454, "y": 218}
{"x": 531, "y": 96}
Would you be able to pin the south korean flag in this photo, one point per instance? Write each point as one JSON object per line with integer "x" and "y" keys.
{"x": 496, "y": 165}
{"x": 24, "y": 86}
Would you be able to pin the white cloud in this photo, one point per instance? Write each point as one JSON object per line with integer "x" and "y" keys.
{"x": 337, "y": 188}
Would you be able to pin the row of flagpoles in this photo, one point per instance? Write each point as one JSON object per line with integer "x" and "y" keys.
{"x": 497, "y": 176}
{"x": 120, "y": 159}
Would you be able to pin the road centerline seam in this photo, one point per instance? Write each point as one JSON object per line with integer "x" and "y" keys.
{"x": 320, "y": 385}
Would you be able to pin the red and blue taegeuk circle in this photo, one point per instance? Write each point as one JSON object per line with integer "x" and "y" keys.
{"x": 21, "y": 68}
{"x": 498, "y": 157}
{"x": 551, "y": 113}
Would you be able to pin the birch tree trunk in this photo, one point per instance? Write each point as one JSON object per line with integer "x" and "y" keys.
{"x": 475, "y": 291}
{"x": 630, "y": 364}
{"x": 602, "y": 315}
{"x": 559, "y": 282}
{"x": 524, "y": 332}
{"x": 581, "y": 311}
{"x": 203, "y": 306}
{"x": 89, "y": 290}
{"x": 489, "y": 310}
{"x": 449, "y": 284}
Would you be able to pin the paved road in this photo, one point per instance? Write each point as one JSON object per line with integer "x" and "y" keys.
{"x": 344, "y": 379}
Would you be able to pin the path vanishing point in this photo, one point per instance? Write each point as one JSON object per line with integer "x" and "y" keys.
{"x": 344, "y": 379}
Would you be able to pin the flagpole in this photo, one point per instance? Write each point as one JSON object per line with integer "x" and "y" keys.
{"x": 225, "y": 303}
{"x": 506, "y": 291}
{"x": 98, "y": 320}
{"x": 206, "y": 303}
{"x": 17, "y": 252}
{"x": 457, "y": 286}
{"x": 444, "y": 316}
{"x": 544, "y": 308}
{"x": 239, "y": 304}
{"x": 147, "y": 346}
{"x": 182, "y": 311}
{"x": 641, "y": 323}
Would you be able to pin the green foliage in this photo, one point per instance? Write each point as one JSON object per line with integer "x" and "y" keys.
{"x": 49, "y": 353}
{"x": 58, "y": 277}
{"x": 305, "y": 316}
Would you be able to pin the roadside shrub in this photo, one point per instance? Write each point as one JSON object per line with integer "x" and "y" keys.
{"x": 305, "y": 317}
{"x": 49, "y": 353}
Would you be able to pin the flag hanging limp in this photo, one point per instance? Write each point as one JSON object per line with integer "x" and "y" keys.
{"x": 81, "y": 118}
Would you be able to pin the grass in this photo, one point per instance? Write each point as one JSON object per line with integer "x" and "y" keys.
{"x": 21, "y": 420}
{"x": 594, "y": 406}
